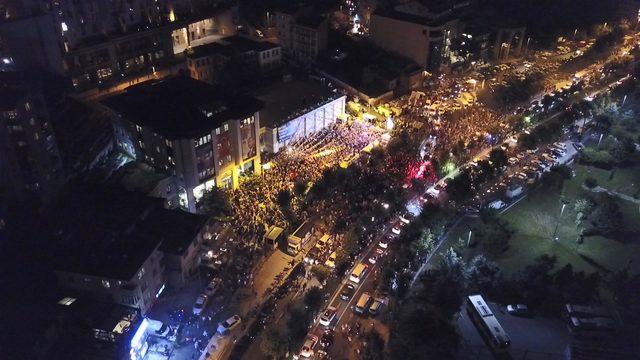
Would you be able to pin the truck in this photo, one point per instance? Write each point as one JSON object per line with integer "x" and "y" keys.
{"x": 272, "y": 237}
{"x": 299, "y": 238}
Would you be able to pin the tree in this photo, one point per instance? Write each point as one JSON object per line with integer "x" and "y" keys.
{"x": 484, "y": 275}
{"x": 459, "y": 188}
{"x": 424, "y": 333}
{"x": 283, "y": 199}
{"x": 445, "y": 286}
{"x": 424, "y": 243}
{"x": 374, "y": 346}
{"x": 299, "y": 188}
{"x": 298, "y": 324}
{"x": 493, "y": 234}
{"x": 320, "y": 272}
{"x": 601, "y": 123}
{"x": 498, "y": 158}
{"x": 214, "y": 202}
{"x": 313, "y": 299}
{"x": 606, "y": 217}
{"x": 273, "y": 344}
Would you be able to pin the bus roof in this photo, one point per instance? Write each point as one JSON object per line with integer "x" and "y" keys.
{"x": 481, "y": 306}
{"x": 274, "y": 233}
{"x": 303, "y": 229}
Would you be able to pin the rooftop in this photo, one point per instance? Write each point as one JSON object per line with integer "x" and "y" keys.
{"x": 427, "y": 12}
{"x": 181, "y": 107}
{"x": 290, "y": 99}
{"x": 100, "y": 230}
{"x": 176, "y": 229}
{"x": 137, "y": 176}
{"x": 231, "y": 45}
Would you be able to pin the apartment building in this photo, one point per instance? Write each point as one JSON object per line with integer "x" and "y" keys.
{"x": 188, "y": 128}
{"x": 301, "y": 33}
{"x": 232, "y": 58}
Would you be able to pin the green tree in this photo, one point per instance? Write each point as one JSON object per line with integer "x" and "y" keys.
{"x": 214, "y": 202}
{"x": 298, "y": 324}
{"x": 273, "y": 344}
{"x": 283, "y": 199}
{"x": 321, "y": 272}
{"x": 374, "y": 346}
{"x": 424, "y": 243}
{"x": 498, "y": 158}
{"x": 313, "y": 299}
{"x": 299, "y": 188}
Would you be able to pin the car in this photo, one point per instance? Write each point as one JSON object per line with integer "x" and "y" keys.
{"x": 396, "y": 230}
{"x": 312, "y": 256}
{"x": 383, "y": 243}
{"x": 327, "y": 316}
{"x": 213, "y": 286}
{"x": 375, "y": 307}
{"x": 201, "y": 303}
{"x": 518, "y": 310}
{"x": 406, "y": 217}
{"x": 326, "y": 340}
{"x": 380, "y": 251}
{"x": 347, "y": 292}
{"x": 373, "y": 259}
{"x": 229, "y": 324}
{"x": 307, "y": 348}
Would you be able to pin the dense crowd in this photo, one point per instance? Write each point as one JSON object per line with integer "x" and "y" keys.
{"x": 302, "y": 161}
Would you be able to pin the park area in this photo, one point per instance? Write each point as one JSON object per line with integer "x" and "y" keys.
{"x": 534, "y": 218}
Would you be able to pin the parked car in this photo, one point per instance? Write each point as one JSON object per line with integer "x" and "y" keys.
{"x": 327, "y": 339}
{"x": 384, "y": 243}
{"x": 213, "y": 286}
{"x": 229, "y": 324}
{"x": 201, "y": 303}
{"x": 307, "y": 348}
{"x": 331, "y": 261}
{"x": 327, "y": 316}
{"x": 375, "y": 307}
{"x": 347, "y": 292}
{"x": 373, "y": 259}
{"x": 518, "y": 310}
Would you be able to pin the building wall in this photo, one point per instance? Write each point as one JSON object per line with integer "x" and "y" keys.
{"x": 322, "y": 117}
{"x": 29, "y": 159}
{"x": 138, "y": 292}
{"x": 403, "y": 38}
{"x": 180, "y": 268}
{"x": 270, "y": 59}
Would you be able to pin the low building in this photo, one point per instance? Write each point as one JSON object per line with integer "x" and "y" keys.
{"x": 84, "y": 328}
{"x": 302, "y": 33}
{"x": 188, "y": 128}
{"x": 295, "y": 109}
{"x": 231, "y": 59}
{"x": 140, "y": 177}
{"x": 121, "y": 247}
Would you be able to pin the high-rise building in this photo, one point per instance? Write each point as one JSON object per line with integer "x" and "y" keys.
{"x": 30, "y": 166}
{"x": 191, "y": 129}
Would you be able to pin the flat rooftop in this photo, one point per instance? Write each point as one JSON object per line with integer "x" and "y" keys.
{"x": 426, "y": 12}
{"x": 231, "y": 45}
{"x": 287, "y": 100}
{"x": 102, "y": 230}
{"x": 181, "y": 107}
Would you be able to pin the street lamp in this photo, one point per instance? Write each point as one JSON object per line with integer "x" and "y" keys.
{"x": 555, "y": 231}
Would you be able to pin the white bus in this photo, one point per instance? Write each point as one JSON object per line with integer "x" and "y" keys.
{"x": 487, "y": 323}
{"x": 358, "y": 273}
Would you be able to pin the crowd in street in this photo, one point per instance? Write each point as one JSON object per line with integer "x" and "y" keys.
{"x": 302, "y": 161}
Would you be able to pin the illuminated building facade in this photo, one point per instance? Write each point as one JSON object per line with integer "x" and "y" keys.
{"x": 295, "y": 109}
{"x": 104, "y": 42}
{"x": 193, "y": 130}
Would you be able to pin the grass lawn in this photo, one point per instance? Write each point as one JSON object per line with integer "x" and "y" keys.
{"x": 624, "y": 180}
{"x": 534, "y": 220}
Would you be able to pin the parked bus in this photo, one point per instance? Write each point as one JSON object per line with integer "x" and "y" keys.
{"x": 591, "y": 326}
{"x": 363, "y": 303}
{"x": 487, "y": 323}
{"x": 299, "y": 238}
{"x": 584, "y": 311}
{"x": 358, "y": 273}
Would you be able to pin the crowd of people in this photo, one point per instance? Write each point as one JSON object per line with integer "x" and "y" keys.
{"x": 302, "y": 161}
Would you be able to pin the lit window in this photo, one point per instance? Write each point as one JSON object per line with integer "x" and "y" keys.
{"x": 106, "y": 284}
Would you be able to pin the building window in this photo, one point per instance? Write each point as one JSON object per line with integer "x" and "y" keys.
{"x": 204, "y": 140}
{"x": 106, "y": 284}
